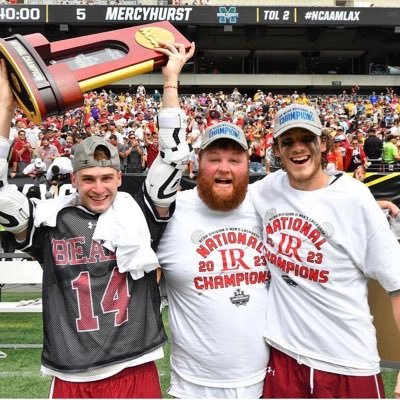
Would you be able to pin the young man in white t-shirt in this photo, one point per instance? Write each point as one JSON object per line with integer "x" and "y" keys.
{"x": 101, "y": 308}
{"x": 325, "y": 236}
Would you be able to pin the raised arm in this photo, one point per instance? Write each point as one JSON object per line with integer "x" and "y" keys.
{"x": 14, "y": 206}
{"x": 163, "y": 178}
{"x": 7, "y": 106}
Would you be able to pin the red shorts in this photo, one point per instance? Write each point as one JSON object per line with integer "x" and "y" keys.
{"x": 286, "y": 378}
{"x": 134, "y": 382}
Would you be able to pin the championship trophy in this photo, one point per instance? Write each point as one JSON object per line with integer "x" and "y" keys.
{"x": 50, "y": 78}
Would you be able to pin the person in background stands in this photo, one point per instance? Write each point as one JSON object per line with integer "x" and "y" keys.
{"x": 22, "y": 153}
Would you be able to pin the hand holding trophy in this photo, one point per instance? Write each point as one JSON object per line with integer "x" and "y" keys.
{"x": 50, "y": 78}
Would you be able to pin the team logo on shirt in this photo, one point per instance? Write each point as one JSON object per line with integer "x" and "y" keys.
{"x": 295, "y": 245}
{"x": 239, "y": 298}
{"x": 91, "y": 225}
{"x": 230, "y": 258}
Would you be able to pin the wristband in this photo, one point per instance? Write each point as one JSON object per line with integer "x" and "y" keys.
{"x": 170, "y": 86}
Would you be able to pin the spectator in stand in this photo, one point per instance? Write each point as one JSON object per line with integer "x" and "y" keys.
{"x": 140, "y": 92}
{"x": 354, "y": 91}
{"x": 134, "y": 153}
{"x": 388, "y": 118}
{"x": 236, "y": 95}
{"x": 256, "y": 152}
{"x": 19, "y": 124}
{"x": 112, "y": 130}
{"x": 21, "y": 154}
{"x": 156, "y": 96}
{"x": 335, "y": 156}
{"x": 121, "y": 151}
{"x": 358, "y": 156}
{"x": 32, "y": 134}
{"x": 343, "y": 97}
{"x": 69, "y": 142}
{"x": 193, "y": 163}
{"x": 373, "y": 145}
{"x": 72, "y": 130}
{"x": 95, "y": 112}
{"x": 373, "y": 98}
{"x": 344, "y": 146}
{"x": 52, "y": 138}
{"x": 369, "y": 109}
{"x": 69, "y": 121}
{"x": 343, "y": 122}
{"x": 395, "y": 128}
{"x": 77, "y": 139}
{"x": 213, "y": 117}
{"x": 361, "y": 136}
{"x": 196, "y": 134}
{"x": 35, "y": 169}
{"x": 151, "y": 145}
{"x": 47, "y": 152}
{"x": 390, "y": 153}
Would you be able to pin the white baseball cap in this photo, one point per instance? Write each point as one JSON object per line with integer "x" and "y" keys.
{"x": 224, "y": 130}
{"x": 297, "y": 116}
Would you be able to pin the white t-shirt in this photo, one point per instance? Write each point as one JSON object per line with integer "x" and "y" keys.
{"x": 32, "y": 135}
{"x": 217, "y": 295}
{"x": 321, "y": 248}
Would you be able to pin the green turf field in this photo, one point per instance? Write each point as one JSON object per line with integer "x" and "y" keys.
{"x": 19, "y": 371}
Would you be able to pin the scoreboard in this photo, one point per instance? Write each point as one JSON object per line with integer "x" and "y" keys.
{"x": 198, "y": 15}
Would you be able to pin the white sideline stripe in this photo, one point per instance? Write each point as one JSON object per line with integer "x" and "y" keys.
{"x": 21, "y": 346}
{"x": 26, "y": 374}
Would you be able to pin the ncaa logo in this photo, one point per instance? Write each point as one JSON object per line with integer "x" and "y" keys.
{"x": 227, "y": 15}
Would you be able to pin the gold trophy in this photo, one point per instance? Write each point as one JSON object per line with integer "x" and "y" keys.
{"x": 50, "y": 78}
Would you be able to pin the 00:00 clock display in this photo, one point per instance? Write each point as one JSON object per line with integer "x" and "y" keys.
{"x": 25, "y": 14}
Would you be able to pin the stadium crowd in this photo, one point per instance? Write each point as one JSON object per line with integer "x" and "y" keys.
{"x": 365, "y": 129}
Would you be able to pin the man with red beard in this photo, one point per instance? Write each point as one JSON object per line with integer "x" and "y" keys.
{"x": 212, "y": 257}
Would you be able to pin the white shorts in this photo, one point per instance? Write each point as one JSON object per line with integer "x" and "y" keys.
{"x": 182, "y": 389}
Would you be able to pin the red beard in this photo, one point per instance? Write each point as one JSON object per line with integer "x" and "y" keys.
{"x": 222, "y": 201}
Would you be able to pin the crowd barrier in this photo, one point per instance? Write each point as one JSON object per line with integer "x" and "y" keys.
{"x": 20, "y": 270}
